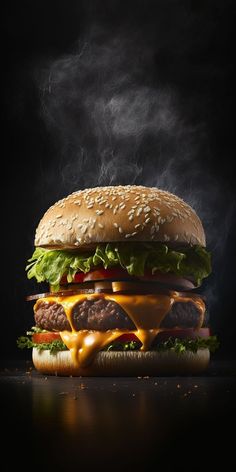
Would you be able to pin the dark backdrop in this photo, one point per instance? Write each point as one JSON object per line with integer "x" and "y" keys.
{"x": 117, "y": 92}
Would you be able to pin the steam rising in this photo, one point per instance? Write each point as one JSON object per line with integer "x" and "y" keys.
{"x": 114, "y": 123}
{"x": 108, "y": 114}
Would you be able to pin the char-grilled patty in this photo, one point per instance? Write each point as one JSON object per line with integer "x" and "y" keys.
{"x": 102, "y": 315}
{"x": 51, "y": 316}
{"x": 183, "y": 315}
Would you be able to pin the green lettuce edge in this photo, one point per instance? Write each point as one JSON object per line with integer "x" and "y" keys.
{"x": 174, "y": 344}
{"x": 51, "y": 265}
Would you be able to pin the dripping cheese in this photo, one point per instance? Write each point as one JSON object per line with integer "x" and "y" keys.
{"x": 146, "y": 312}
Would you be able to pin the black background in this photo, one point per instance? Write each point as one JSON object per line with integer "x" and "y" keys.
{"x": 196, "y": 61}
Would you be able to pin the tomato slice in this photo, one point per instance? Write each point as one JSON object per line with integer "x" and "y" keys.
{"x": 115, "y": 273}
{"x": 120, "y": 274}
{"x": 47, "y": 337}
{"x": 178, "y": 333}
{"x": 50, "y": 336}
{"x": 126, "y": 338}
{"x": 79, "y": 278}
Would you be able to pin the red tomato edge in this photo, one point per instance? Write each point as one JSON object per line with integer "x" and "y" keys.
{"x": 50, "y": 336}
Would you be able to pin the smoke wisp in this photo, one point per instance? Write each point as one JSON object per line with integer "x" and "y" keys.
{"x": 115, "y": 123}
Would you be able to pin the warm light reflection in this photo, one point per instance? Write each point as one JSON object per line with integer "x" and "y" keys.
{"x": 94, "y": 406}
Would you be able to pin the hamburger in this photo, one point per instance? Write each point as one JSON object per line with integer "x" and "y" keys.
{"x": 123, "y": 266}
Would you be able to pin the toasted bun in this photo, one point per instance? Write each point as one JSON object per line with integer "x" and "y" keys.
{"x": 123, "y": 364}
{"x": 119, "y": 213}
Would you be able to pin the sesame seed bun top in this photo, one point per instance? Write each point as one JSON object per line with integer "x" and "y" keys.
{"x": 119, "y": 213}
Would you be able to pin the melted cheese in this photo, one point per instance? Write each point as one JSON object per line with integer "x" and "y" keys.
{"x": 146, "y": 312}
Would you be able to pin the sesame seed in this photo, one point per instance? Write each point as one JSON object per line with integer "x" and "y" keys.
{"x": 131, "y": 217}
{"x": 116, "y": 225}
{"x": 90, "y": 206}
{"x": 176, "y": 237}
{"x": 99, "y": 212}
{"x": 120, "y": 230}
{"x": 100, "y": 225}
{"x": 139, "y": 211}
{"x": 59, "y": 216}
{"x": 156, "y": 212}
{"x": 166, "y": 238}
{"x": 128, "y": 235}
{"x": 137, "y": 226}
{"x": 147, "y": 220}
{"x": 147, "y": 209}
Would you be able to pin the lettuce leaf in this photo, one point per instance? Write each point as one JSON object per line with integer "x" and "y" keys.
{"x": 174, "y": 344}
{"x": 51, "y": 265}
{"x": 24, "y": 342}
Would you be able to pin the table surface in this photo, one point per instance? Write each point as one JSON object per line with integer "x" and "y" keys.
{"x": 120, "y": 422}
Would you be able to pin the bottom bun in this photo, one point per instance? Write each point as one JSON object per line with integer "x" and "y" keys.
{"x": 120, "y": 363}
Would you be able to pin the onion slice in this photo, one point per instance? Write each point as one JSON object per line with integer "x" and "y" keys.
{"x": 63, "y": 293}
{"x": 138, "y": 287}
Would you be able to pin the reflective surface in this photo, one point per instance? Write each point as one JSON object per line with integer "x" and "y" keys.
{"x": 115, "y": 422}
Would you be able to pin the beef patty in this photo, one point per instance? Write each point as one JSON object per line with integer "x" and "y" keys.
{"x": 103, "y": 314}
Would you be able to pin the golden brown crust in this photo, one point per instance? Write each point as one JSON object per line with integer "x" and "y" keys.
{"x": 123, "y": 364}
{"x": 119, "y": 213}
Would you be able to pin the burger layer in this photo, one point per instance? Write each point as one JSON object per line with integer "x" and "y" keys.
{"x": 96, "y": 320}
{"x": 129, "y": 363}
{"x": 121, "y": 263}
{"x": 102, "y": 315}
